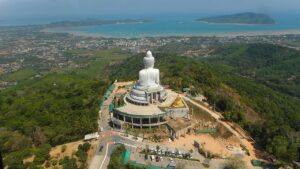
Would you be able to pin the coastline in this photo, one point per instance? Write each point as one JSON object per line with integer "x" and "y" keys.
{"x": 200, "y": 34}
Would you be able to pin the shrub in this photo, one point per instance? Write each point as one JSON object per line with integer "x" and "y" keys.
{"x": 63, "y": 148}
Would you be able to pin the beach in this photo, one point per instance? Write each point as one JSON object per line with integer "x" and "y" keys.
{"x": 200, "y": 34}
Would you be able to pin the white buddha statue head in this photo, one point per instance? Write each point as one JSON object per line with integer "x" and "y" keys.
{"x": 149, "y": 60}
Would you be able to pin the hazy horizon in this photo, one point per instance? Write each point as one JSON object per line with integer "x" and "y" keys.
{"x": 26, "y": 9}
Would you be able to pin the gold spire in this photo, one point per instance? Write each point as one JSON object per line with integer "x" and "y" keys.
{"x": 178, "y": 102}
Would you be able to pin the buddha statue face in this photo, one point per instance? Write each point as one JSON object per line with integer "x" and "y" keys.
{"x": 149, "y": 60}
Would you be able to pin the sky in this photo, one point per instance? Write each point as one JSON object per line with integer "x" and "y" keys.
{"x": 103, "y": 8}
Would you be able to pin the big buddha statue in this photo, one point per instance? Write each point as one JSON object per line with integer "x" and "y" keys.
{"x": 147, "y": 89}
{"x": 149, "y": 76}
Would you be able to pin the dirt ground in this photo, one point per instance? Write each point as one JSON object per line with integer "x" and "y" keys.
{"x": 214, "y": 145}
{"x": 225, "y": 148}
{"x": 57, "y": 154}
{"x": 123, "y": 83}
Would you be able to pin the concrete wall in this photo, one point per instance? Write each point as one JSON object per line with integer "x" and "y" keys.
{"x": 177, "y": 112}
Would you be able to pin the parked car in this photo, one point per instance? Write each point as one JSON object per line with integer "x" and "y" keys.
{"x": 179, "y": 155}
{"x": 171, "y": 160}
{"x": 146, "y": 156}
{"x": 167, "y": 152}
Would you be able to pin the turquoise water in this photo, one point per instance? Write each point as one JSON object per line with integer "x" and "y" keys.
{"x": 182, "y": 26}
{"x": 170, "y": 26}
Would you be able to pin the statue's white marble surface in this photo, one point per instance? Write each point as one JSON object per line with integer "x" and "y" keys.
{"x": 149, "y": 76}
{"x": 148, "y": 86}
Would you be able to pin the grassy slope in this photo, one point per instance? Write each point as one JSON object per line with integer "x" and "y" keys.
{"x": 19, "y": 75}
{"x": 97, "y": 61}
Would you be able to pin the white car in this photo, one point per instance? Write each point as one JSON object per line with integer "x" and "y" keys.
{"x": 171, "y": 160}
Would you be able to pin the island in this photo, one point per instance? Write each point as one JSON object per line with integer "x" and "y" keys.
{"x": 240, "y": 18}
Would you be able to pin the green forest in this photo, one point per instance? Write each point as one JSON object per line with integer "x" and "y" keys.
{"x": 271, "y": 117}
{"x": 274, "y": 66}
{"x": 56, "y": 109}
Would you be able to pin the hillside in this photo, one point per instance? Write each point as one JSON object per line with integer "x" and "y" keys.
{"x": 56, "y": 108}
{"x": 277, "y": 119}
{"x": 240, "y": 18}
{"x": 274, "y": 66}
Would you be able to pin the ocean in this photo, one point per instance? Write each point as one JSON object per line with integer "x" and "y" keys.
{"x": 184, "y": 26}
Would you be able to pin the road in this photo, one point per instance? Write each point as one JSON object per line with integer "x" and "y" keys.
{"x": 108, "y": 138}
{"x": 105, "y": 137}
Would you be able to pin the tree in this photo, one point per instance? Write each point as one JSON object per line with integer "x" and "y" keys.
{"x": 38, "y": 137}
{"x": 42, "y": 154}
{"x": 278, "y": 146}
{"x": 68, "y": 163}
{"x": 116, "y": 158}
{"x": 235, "y": 164}
{"x": 63, "y": 148}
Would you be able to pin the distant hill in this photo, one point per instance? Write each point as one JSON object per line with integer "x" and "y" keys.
{"x": 240, "y": 18}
